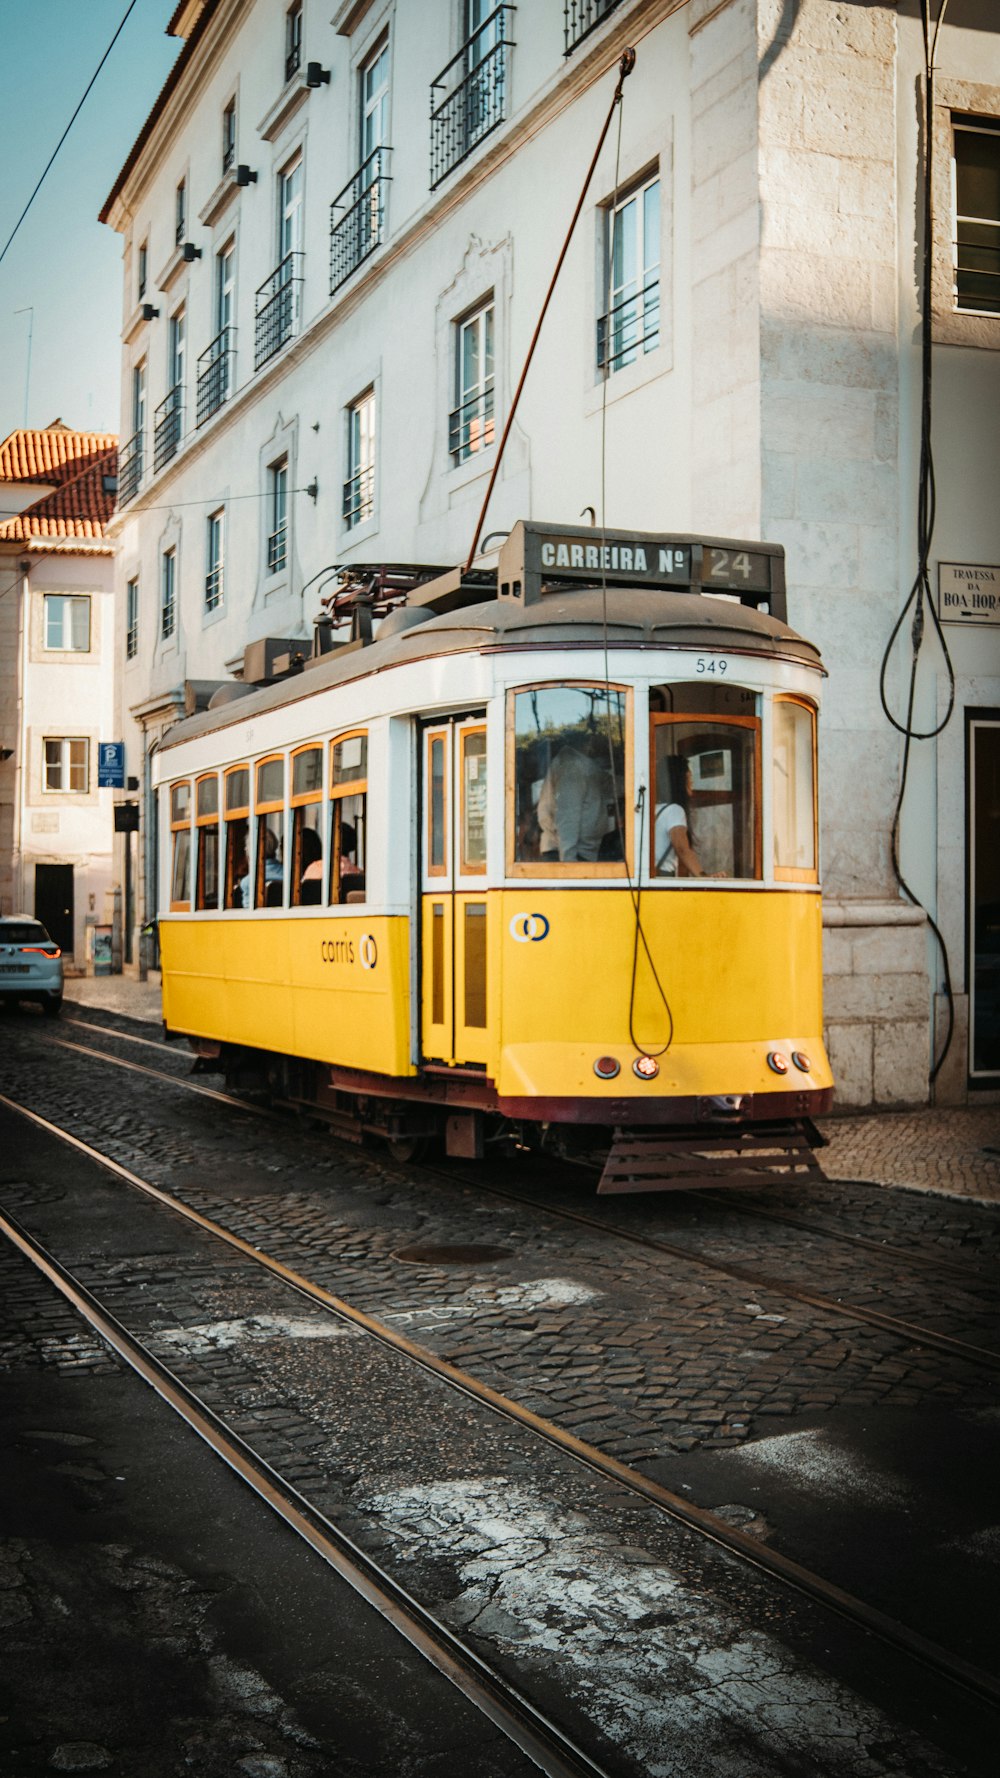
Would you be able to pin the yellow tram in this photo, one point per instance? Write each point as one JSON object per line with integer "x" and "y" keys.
{"x": 437, "y": 880}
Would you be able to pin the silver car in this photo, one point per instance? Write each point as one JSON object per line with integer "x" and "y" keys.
{"x": 30, "y": 963}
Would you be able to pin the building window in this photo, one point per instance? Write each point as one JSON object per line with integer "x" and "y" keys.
{"x": 131, "y": 619}
{"x": 168, "y": 594}
{"x": 229, "y": 136}
{"x": 375, "y": 101}
{"x": 168, "y": 418}
{"x": 470, "y": 426}
{"x": 180, "y": 213}
{"x": 570, "y": 784}
{"x": 977, "y": 215}
{"x": 213, "y": 577}
{"x": 359, "y": 488}
{"x": 293, "y": 40}
{"x": 216, "y": 364}
{"x": 130, "y": 457}
{"x": 469, "y": 96}
{"x": 277, "y": 541}
{"x": 582, "y": 17}
{"x": 67, "y": 622}
{"x": 139, "y": 398}
{"x": 632, "y": 283}
{"x": 143, "y": 272}
{"x": 67, "y": 765}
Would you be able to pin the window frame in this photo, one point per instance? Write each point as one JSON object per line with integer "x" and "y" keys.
{"x": 613, "y": 210}
{"x": 66, "y": 600}
{"x": 622, "y": 869}
{"x": 180, "y": 212}
{"x": 338, "y": 794}
{"x": 263, "y": 806}
{"x": 66, "y": 765}
{"x": 229, "y": 135}
{"x": 485, "y": 388}
{"x": 215, "y": 560}
{"x": 168, "y": 606}
{"x": 293, "y": 40}
{"x": 132, "y": 617}
{"x": 180, "y": 823}
{"x": 142, "y": 269}
{"x": 277, "y": 552}
{"x": 707, "y": 718}
{"x": 789, "y": 873}
{"x": 969, "y": 124}
{"x": 304, "y": 799}
{"x": 359, "y": 505}
{"x": 231, "y": 813}
{"x": 203, "y": 822}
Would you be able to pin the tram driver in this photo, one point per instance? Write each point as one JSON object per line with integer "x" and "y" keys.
{"x": 573, "y": 806}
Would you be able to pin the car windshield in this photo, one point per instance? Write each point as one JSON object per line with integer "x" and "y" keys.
{"x": 23, "y": 932}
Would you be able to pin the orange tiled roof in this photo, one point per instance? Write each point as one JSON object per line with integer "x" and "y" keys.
{"x": 51, "y": 455}
{"x": 78, "y": 507}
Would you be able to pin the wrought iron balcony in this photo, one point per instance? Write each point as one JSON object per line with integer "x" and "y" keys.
{"x": 130, "y": 463}
{"x": 359, "y": 496}
{"x": 216, "y": 374}
{"x": 357, "y": 217}
{"x": 633, "y": 325}
{"x": 583, "y": 16}
{"x": 470, "y": 426}
{"x": 167, "y": 427}
{"x": 213, "y": 588}
{"x": 279, "y": 301}
{"x": 475, "y": 84}
{"x": 277, "y": 548}
{"x": 977, "y": 267}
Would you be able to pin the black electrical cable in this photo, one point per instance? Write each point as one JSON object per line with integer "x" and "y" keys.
{"x": 920, "y": 592}
{"x": 69, "y": 126}
{"x": 634, "y": 888}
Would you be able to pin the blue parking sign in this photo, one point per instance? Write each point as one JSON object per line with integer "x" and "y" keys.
{"x": 111, "y": 765}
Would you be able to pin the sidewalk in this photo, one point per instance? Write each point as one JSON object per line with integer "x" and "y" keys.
{"x": 952, "y": 1151}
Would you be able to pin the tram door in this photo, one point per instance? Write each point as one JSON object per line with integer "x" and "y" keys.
{"x": 453, "y": 892}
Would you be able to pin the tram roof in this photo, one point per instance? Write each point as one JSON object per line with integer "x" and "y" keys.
{"x": 570, "y": 618}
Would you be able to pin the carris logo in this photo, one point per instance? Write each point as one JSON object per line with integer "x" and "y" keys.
{"x": 529, "y": 928}
{"x": 337, "y": 950}
{"x": 369, "y": 952}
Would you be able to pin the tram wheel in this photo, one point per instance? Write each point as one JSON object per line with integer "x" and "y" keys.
{"x": 409, "y": 1148}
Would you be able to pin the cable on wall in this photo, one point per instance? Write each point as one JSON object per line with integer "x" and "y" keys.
{"x": 920, "y": 599}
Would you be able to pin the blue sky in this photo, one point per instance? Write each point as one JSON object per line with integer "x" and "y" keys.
{"x": 63, "y": 263}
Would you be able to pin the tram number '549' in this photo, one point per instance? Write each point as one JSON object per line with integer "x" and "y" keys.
{"x": 716, "y": 664}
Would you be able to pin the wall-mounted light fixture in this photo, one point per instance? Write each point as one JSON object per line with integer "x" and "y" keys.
{"x": 313, "y": 490}
{"x": 191, "y": 251}
{"x": 245, "y": 175}
{"x": 148, "y": 312}
{"x": 317, "y": 75}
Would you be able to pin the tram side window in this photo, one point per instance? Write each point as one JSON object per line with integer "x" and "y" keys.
{"x": 349, "y": 825}
{"x": 180, "y": 861}
{"x": 237, "y": 809}
{"x": 705, "y": 759}
{"x": 568, "y": 776}
{"x": 206, "y": 893}
{"x": 307, "y": 879}
{"x": 269, "y": 848}
{"x": 794, "y": 781}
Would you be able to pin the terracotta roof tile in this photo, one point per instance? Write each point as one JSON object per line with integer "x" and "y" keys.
{"x": 79, "y": 508}
{"x": 54, "y": 454}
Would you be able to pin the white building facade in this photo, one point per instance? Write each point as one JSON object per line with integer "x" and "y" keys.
{"x": 57, "y": 684}
{"x": 339, "y": 227}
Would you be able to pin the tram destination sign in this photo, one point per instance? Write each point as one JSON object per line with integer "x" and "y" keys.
{"x": 968, "y": 594}
{"x": 537, "y": 558}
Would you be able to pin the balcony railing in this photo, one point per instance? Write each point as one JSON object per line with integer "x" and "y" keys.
{"x": 130, "y": 469}
{"x": 470, "y": 426}
{"x": 475, "y": 83}
{"x": 359, "y": 495}
{"x": 216, "y": 372}
{"x": 357, "y": 217}
{"x": 632, "y": 325}
{"x": 583, "y": 16}
{"x": 977, "y": 267}
{"x": 167, "y": 427}
{"x": 277, "y": 548}
{"x": 278, "y": 306}
{"x": 213, "y": 588}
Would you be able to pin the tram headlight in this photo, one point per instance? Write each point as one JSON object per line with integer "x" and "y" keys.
{"x": 801, "y": 1061}
{"x": 606, "y": 1067}
{"x": 777, "y": 1063}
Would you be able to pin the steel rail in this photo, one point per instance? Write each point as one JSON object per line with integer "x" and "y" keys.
{"x": 891, "y": 1324}
{"x": 713, "y": 1529}
{"x": 505, "y": 1706}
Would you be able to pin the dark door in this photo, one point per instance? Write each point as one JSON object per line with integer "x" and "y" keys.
{"x": 54, "y": 902}
{"x": 984, "y": 908}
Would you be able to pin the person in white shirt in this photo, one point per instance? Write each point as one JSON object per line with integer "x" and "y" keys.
{"x": 673, "y": 842}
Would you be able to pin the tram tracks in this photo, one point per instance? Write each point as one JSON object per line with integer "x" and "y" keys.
{"x": 708, "y": 1526}
{"x": 905, "y": 1330}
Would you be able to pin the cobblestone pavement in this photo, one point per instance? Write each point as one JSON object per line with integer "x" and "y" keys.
{"x": 955, "y": 1152}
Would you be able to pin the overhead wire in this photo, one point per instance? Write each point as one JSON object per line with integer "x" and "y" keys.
{"x": 634, "y": 887}
{"x": 130, "y": 8}
{"x": 920, "y": 597}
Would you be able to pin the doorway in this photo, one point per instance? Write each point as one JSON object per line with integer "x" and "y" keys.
{"x": 453, "y": 919}
{"x": 984, "y": 898}
{"x": 54, "y": 902}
